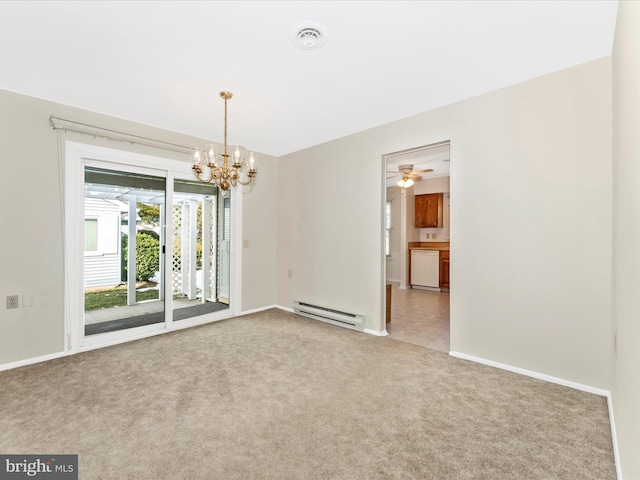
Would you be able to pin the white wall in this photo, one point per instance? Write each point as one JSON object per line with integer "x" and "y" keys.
{"x": 530, "y": 234}
{"x": 530, "y": 211}
{"x": 327, "y": 233}
{"x": 31, "y": 244}
{"x": 625, "y": 389}
{"x": 431, "y": 185}
{"x": 259, "y": 230}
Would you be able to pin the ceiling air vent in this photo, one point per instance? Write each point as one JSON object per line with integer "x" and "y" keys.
{"x": 309, "y": 35}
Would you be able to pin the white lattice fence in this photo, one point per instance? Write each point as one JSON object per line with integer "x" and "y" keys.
{"x": 212, "y": 246}
{"x": 176, "y": 275}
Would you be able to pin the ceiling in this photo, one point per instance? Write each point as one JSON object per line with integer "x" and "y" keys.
{"x": 164, "y": 63}
{"x": 432, "y": 157}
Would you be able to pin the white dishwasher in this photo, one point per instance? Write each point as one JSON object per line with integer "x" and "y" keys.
{"x": 425, "y": 268}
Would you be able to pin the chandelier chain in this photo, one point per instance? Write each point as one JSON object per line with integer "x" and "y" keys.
{"x": 225, "y": 127}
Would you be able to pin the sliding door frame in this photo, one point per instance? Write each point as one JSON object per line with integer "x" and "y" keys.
{"x": 79, "y": 155}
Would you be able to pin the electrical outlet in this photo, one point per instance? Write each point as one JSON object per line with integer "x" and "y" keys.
{"x": 13, "y": 301}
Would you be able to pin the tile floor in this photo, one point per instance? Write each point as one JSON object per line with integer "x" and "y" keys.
{"x": 420, "y": 317}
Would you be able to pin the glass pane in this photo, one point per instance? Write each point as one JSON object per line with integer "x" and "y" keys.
{"x": 123, "y": 277}
{"x": 195, "y": 262}
{"x": 91, "y": 234}
{"x": 224, "y": 249}
{"x": 387, "y": 216}
{"x": 387, "y": 242}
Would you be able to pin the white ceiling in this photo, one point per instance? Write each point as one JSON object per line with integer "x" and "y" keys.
{"x": 164, "y": 63}
{"x": 432, "y": 157}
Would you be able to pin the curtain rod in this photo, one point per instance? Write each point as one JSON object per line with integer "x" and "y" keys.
{"x": 58, "y": 123}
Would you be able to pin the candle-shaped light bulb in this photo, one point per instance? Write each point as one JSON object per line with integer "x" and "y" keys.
{"x": 252, "y": 162}
{"x": 236, "y": 155}
{"x": 211, "y": 154}
{"x": 196, "y": 156}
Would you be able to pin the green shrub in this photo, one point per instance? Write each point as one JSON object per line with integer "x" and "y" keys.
{"x": 147, "y": 256}
{"x": 149, "y": 214}
{"x": 151, "y": 233}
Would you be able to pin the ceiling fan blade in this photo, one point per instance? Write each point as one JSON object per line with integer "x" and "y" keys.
{"x": 426, "y": 170}
{"x": 414, "y": 177}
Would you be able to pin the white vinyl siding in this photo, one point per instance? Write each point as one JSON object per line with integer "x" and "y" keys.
{"x": 101, "y": 270}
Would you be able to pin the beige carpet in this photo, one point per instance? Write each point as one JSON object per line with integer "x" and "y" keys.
{"x": 277, "y": 396}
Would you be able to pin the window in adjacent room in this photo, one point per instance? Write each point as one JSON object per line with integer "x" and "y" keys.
{"x": 90, "y": 234}
{"x": 387, "y": 231}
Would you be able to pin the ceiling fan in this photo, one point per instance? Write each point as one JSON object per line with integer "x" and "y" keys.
{"x": 409, "y": 176}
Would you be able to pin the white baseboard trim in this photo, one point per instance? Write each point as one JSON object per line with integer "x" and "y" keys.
{"x": 529, "y": 373}
{"x": 393, "y": 280}
{"x": 286, "y": 309}
{"x": 31, "y": 361}
{"x": 375, "y": 332}
{"x": 256, "y": 310}
{"x": 614, "y": 438}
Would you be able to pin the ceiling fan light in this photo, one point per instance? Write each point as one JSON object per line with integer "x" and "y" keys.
{"x": 405, "y": 183}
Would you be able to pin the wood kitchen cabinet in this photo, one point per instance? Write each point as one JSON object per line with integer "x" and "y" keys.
{"x": 444, "y": 269}
{"x": 428, "y": 210}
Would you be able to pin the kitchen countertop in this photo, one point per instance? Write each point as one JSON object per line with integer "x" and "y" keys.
{"x": 428, "y": 245}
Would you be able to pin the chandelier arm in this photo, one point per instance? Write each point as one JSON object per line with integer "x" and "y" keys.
{"x": 198, "y": 174}
{"x": 245, "y": 183}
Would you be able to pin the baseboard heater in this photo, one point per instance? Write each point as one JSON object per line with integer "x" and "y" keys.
{"x": 329, "y": 315}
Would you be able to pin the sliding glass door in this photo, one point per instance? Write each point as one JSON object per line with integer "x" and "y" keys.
{"x": 224, "y": 248}
{"x": 124, "y": 244}
{"x": 146, "y": 247}
{"x": 196, "y": 265}
{"x": 155, "y": 249}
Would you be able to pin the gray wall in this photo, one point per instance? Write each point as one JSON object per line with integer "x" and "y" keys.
{"x": 31, "y": 244}
{"x": 625, "y": 388}
{"x": 530, "y": 222}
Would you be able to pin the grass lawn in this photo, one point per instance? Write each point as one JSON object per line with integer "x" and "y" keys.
{"x": 95, "y": 299}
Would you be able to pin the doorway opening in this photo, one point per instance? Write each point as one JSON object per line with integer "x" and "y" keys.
{"x": 418, "y": 314}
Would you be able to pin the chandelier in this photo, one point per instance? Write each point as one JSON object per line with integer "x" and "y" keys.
{"x": 227, "y": 174}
